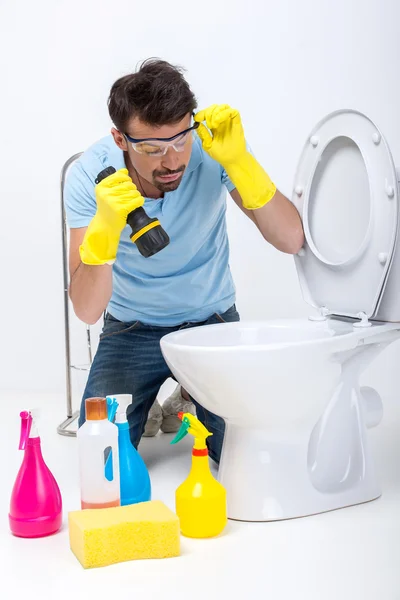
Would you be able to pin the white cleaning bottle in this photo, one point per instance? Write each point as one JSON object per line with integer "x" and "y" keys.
{"x": 98, "y": 445}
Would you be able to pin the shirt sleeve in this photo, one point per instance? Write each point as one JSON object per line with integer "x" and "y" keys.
{"x": 79, "y": 197}
{"x": 227, "y": 182}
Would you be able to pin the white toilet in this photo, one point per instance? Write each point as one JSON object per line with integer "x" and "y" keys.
{"x": 296, "y": 440}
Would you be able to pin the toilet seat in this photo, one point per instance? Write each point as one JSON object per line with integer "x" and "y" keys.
{"x": 347, "y": 195}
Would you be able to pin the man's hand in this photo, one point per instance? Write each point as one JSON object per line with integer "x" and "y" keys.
{"x": 225, "y": 142}
{"x": 116, "y": 197}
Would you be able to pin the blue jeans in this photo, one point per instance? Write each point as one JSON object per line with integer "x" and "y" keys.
{"x": 129, "y": 361}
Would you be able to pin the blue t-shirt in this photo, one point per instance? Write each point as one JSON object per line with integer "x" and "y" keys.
{"x": 190, "y": 279}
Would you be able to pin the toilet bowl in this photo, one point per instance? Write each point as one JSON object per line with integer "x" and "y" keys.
{"x": 297, "y": 420}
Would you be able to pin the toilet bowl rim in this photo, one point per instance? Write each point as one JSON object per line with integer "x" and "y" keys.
{"x": 342, "y": 341}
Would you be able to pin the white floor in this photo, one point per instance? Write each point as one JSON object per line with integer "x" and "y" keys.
{"x": 344, "y": 555}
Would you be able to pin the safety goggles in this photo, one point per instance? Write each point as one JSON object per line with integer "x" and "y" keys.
{"x": 159, "y": 146}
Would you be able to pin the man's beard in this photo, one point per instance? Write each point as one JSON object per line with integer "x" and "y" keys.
{"x": 168, "y": 186}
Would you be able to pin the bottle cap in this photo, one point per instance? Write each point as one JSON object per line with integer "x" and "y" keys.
{"x": 123, "y": 401}
{"x": 96, "y": 409}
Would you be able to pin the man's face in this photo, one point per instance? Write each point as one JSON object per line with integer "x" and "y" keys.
{"x": 163, "y": 171}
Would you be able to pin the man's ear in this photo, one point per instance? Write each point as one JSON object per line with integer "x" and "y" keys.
{"x": 119, "y": 139}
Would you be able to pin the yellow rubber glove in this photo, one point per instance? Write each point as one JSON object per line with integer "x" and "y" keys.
{"x": 227, "y": 145}
{"x": 116, "y": 197}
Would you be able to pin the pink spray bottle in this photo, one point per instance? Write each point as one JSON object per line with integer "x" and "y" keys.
{"x": 36, "y": 506}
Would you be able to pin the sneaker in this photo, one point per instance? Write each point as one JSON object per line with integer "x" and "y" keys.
{"x": 170, "y": 409}
{"x": 154, "y": 420}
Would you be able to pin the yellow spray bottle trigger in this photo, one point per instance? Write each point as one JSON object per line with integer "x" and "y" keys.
{"x": 191, "y": 424}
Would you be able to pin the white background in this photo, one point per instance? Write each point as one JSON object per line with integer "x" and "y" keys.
{"x": 284, "y": 65}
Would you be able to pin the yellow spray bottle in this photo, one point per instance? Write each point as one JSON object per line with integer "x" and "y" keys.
{"x": 201, "y": 499}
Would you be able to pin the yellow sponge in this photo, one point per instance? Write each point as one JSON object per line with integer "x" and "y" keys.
{"x": 103, "y": 536}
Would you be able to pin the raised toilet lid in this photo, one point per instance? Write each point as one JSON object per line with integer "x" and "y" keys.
{"x": 347, "y": 195}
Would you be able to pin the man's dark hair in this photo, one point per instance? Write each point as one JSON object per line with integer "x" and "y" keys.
{"x": 157, "y": 93}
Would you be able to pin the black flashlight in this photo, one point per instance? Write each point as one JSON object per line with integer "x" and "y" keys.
{"x": 147, "y": 234}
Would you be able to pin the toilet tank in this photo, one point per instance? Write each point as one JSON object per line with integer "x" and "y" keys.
{"x": 389, "y": 306}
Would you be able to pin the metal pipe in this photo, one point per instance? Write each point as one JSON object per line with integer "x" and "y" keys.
{"x": 89, "y": 343}
{"x": 63, "y": 427}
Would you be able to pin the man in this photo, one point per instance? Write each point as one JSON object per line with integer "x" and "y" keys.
{"x": 178, "y": 164}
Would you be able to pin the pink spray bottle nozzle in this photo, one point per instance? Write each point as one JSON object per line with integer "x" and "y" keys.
{"x": 26, "y": 424}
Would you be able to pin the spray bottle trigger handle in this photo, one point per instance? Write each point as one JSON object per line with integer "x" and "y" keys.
{"x": 112, "y": 407}
{"x": 181, "y": 433}
{"x": 26, "y": 423}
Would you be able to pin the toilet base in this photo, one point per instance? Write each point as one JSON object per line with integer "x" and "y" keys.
{"x": 321, "y": 512}
{"x": 272, "y": 477}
